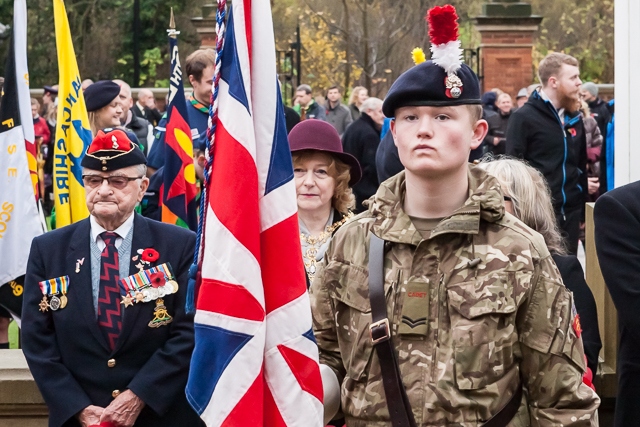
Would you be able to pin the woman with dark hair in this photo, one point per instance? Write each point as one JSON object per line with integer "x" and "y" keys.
{"x": 324, "y": 175}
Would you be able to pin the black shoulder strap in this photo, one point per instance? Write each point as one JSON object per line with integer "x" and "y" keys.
{"x": 395, "y": 393}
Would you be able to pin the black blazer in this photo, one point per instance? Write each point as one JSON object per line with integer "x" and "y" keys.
{"x": 573, "y": 278}
{"x": 617, "y": 235}
{"x": 66, "y": 351}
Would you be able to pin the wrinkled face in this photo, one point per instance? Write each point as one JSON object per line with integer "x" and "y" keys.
{"x": 303, "y": 97}
{"x": 202, "y": 88}
{"x": 567, "y": 84}
{"x": 376, "y": 115}
{"x": 314, "y": 185}
{"x": 333, "y": 95}
{"x": 504, "y": 104}
{"x": 126, "y": 102}
{"x": 109, "y": 115}
{"x": 362, "y": 96}
{"x": 435, "y": 141}
{"x": 110, "y": 204}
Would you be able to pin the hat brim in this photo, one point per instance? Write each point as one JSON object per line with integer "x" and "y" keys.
{"x": 355, "y": 171}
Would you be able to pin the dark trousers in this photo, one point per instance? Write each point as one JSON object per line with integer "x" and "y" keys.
{"x": 627, "y": 408}
{"x": 569, "y": 224}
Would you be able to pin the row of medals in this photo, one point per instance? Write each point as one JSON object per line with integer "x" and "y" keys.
{"x": 150, "y": 293}
{"x": 54, "y": 303}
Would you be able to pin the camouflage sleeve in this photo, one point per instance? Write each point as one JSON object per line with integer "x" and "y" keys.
{"x": 553, "y": 356}
{"x": 324, "y": 327}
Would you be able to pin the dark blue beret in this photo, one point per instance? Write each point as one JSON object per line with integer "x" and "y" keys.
{"x": 424, "y": 84}
{"x": 100, "y": 94}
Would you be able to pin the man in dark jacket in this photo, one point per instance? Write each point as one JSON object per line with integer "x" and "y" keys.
{"x": 617, "y": 236}
{"x": 307, "y": 107}
{"x": 139, "y": 126}
{"x": 104, "y": 327}
{"x": 361, "y": 140}
{"x": 551, "y": 138}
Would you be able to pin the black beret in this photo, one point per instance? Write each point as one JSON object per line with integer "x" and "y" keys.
{"x": 100, "y": 94}
{"x": 50, "y": 89}
{"x": 424, "y": 84}
{"x": 112, "y": 149}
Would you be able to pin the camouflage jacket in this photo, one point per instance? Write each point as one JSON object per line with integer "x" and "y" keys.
{"x": 464, "y": 334}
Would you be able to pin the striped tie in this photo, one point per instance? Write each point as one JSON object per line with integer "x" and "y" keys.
{"x": 109, "y": 316}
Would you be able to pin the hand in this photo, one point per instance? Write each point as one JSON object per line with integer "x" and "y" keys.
{"x": 90, "y": 415}
{"x": 124, "y": 410}
{"x": 496, "y": 140}
{"x": 594, "y": 185}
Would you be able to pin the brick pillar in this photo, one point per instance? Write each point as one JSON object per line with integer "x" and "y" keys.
{"x": 508, "y": 31}
{"x": 206, "y": 26}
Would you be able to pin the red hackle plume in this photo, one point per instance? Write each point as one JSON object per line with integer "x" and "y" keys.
{"x": 443, "y": 24}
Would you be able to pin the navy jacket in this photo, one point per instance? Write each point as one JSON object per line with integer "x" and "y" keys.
{"x": 617, "y": 236}
{"x": 558, "y": 150}
{"x": 67, "y": 353}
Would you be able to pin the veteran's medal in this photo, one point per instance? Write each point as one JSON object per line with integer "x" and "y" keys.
{"x": 160, "y": 315}
{"x": 63, "y": 301}
{"x": 44, "y": 305}
{"x": 54, "y": 303}
{"x": 174, "y": 285}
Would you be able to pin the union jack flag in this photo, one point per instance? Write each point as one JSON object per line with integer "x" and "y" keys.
{"x": 255, "y": 361}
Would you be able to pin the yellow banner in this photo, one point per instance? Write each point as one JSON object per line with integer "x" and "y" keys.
{"x": 73, "y": 133}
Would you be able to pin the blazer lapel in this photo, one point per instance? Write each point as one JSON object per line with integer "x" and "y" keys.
{"x": 80, "y": 286}
{"x": 142, "y": 239}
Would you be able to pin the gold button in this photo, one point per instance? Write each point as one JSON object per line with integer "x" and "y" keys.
{"x": 111, "y": 363}
{"x": 115, "y": 393}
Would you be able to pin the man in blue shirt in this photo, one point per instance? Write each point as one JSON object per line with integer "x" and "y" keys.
{"x": 199, "y": 68}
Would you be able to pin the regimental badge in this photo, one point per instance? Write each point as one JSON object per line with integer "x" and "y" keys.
{"x": 54, "y": 293}
{"x": 148, "y": 285}
{"x": 575, "y": 324}
{"x": 160, "y": 315}
{"x": 453, "y": 86}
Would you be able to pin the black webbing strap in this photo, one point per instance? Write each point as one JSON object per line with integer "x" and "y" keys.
{"x": 395, "y": 393}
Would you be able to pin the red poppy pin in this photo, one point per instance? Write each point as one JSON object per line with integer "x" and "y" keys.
{"x": 157, "y": 279}
{"x": 150, "y": 255}
{"x": 577, "y": 328}
{"x": 573, "y": 132}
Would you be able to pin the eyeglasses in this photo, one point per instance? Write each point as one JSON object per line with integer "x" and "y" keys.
{"x": 118, "y": 182}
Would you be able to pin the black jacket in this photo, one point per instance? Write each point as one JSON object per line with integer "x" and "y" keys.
{"x": 66, "y": 352}
{"x": 559, "y": 151}
{"x": 361, "y": 140}
{"x": 387, "y": 159}
{"x": 573, "y": 278}
{"x": 140, "y": 127}
{"x": 617, "y": 236}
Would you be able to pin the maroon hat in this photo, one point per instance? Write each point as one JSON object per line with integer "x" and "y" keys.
{"x": 321, "y": 136}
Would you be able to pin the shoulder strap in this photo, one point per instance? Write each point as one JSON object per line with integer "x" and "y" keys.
{"x": 395, "y": 393}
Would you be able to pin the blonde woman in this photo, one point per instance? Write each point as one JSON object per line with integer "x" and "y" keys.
{"x": 528, "y": 197}
{"x": 103, "y": 105}
{"x": 324, "y": 175}
{"x": 359, "y": 94}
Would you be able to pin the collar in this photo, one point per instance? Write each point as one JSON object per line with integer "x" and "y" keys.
{"x": 545, "y": 97}
{"x": 140, "y": 106}
{"x": 122, "y": 231}
{"x": 129, "y": 118}
{"x": 198, "y": 105}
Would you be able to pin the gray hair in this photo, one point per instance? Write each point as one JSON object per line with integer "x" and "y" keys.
{"x": 591, "y": 88}
{"x": 370, "y": 103}
{"x": 530, "y": 196}
{"x": 305, "y": 88}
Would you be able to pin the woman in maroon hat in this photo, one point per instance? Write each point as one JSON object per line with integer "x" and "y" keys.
{"x": 324, "y": 175}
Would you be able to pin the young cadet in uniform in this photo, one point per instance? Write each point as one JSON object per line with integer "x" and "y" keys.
{"x": 476, "y": 328}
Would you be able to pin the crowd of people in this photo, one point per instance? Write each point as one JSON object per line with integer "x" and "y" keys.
{"x": 439, "y": 229}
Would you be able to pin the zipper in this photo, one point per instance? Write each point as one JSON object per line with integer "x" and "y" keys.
{"x": 564, "y": 160}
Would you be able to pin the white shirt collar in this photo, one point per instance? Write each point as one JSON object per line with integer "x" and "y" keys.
{"x": 122, "y": 231}
{"x": 546, "y": 98}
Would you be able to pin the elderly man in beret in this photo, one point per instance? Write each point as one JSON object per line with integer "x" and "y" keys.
{"x": 434, "y": 307}
{"x": 105, "y": 332}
